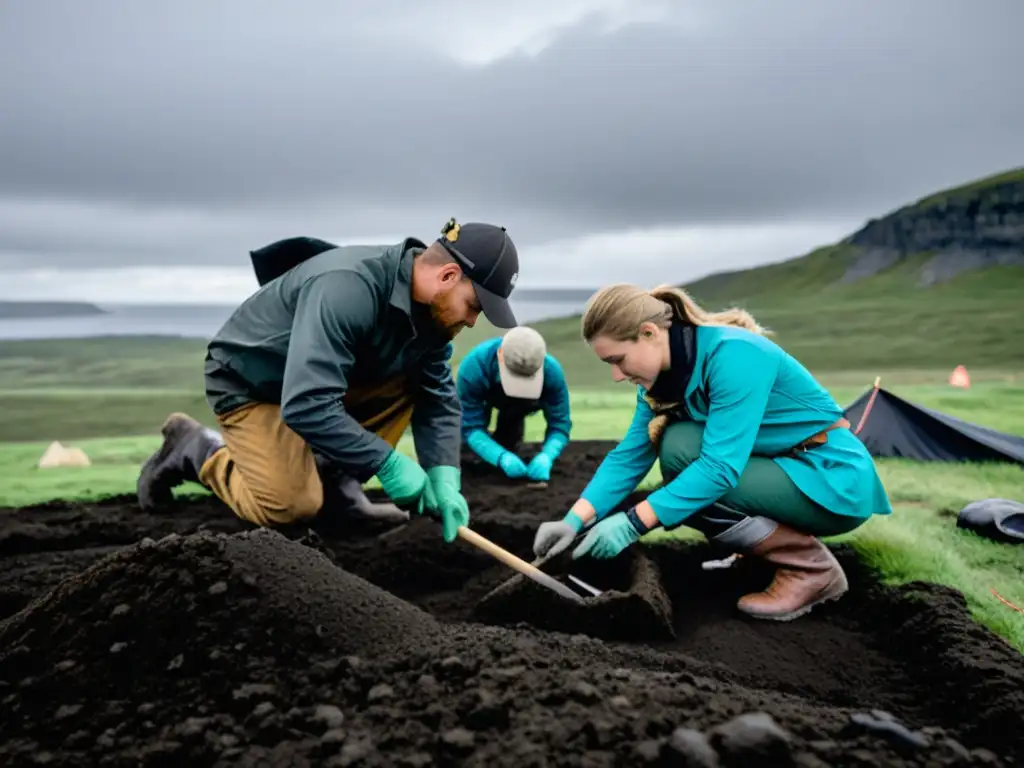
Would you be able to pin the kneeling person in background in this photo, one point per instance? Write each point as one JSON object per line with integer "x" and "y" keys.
{"x": 515, "y": 376}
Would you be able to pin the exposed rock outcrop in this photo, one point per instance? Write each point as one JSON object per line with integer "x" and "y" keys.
{"x": 973, "y": 227}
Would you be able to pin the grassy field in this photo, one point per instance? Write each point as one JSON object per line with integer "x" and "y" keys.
{"x": 919, "y": 541}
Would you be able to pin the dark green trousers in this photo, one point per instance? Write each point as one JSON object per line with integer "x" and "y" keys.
{"x": 764, "y": 490}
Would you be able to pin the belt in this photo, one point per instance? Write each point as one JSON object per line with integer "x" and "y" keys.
{"x": 821, "y": 438}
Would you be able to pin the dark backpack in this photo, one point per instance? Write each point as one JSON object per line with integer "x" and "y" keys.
{"x": 273, "y": 260}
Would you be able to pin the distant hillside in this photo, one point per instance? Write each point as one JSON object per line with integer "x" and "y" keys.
{"x": 977, "y": 226}
{"x": 45, "y": 309}
{"x": 934, "y": 284}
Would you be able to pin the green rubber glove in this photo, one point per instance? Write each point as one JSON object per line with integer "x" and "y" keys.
{"x": 404, "y": 481}
{"x": 444, "y": 498}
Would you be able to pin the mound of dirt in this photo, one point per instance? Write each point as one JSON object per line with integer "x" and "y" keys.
{"x": 360, "y": 645}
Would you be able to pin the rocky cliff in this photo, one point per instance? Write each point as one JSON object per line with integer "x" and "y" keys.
{"x": 973, "y": 227}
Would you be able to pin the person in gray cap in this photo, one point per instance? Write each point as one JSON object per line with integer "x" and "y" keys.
{"x": 316, "y": 376}
{"x": 515, "y": 376}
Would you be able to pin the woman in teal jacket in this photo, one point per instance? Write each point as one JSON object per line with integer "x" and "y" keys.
{"x": 754, "y": 453}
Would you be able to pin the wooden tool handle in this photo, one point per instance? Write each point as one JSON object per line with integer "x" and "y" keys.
{"x": 518, "y": 564}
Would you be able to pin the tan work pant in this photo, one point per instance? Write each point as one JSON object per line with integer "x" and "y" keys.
{"x": 268, "y": 475}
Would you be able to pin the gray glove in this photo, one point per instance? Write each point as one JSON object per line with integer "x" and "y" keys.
{"x": 553, "y": 538}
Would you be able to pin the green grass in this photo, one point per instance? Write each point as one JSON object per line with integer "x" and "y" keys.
{"x": 966, "y": 191}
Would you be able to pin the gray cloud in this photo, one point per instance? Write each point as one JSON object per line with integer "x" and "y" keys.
{"x": 189, "y": 129}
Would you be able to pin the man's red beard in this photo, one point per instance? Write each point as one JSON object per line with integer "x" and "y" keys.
{"x": 443, "y": 315}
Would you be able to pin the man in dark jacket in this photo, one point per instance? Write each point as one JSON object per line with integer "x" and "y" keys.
{"x": 329, "y": 363}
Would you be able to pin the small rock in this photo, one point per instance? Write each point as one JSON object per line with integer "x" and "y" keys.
{"x": 228, "y": 740}
{"x": 263, "y": 709}
{"x": 508, "y": 673}
{"x": 106, "y": 739}
{"x": 68, "y": 710}
{"x": 120, "y": 610}
{"x": 647, "y": 752}
{"x": 328, "y": 714}
{"x": 64, "y": 666}
{"x": 981, "y": 756}
{"x": 253, "y": 690}
{"x": 333, "y": 736}
{"x": 688, "y": 748}
{"x": 177, "y": 662}
{"x": 416, "y": 760}
{"x": 428, "y": 683}
{"x": 380, "y": 692}
{"x": 584, "y": 692}
{"x": 219, "y": 588}
{"x": 354, "y": 751}
{"x": 753, "y": 736}
{"x": 146, "y": 708}
{"x": 118, "y": 647}
{"x": 896, "y": 733}
{"x": 957, "y": 748}
{"x": 620, "y": 702}
{"x": 192, "y": 727}
{"x": 459, "y": 739}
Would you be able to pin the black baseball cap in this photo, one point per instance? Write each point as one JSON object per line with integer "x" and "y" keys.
{"x": 489, "y": 258}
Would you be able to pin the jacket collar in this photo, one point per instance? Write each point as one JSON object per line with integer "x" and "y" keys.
{"x": 674, "y": 385}
{"x": 403, "y": 253}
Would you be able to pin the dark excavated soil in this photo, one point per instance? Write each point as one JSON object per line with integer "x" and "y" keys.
{"x": 190, "y": 639}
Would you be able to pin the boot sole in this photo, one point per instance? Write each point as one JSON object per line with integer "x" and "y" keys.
{"x": 169, "y": 430}
{"x": 830, "y": 596}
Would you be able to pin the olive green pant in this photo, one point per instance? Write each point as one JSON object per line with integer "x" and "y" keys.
{"x": 763, "y": 490}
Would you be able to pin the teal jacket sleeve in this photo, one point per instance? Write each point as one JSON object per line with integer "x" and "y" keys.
{"x": 740, "y": 379}
{"x": 556, "y": 407}
{"x": 555, "y": 402}
{"x": 476, "y": 413}
{"x": 472, "y": 386}
{"x": 626, "y": 465}
{"x": 334, "y": 312}
{"x": 437, "y": 417}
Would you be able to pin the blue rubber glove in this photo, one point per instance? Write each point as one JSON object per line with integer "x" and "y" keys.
{"x": 403, "y": 480}
{"x": 608, "y": 538}
{"x": 554, "y": 446}
{"x": 485, "y": 446}
{"x": 444, "y": 498}
{"x": 539, "y": 469}
{"x": 512, "y": 465}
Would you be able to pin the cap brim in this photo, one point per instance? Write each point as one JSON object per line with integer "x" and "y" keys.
{"x": 496, "y": 309}
{"x": 522, "y": 387}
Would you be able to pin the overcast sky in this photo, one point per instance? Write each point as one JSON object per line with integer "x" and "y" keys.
{"x": 668, "y": 139}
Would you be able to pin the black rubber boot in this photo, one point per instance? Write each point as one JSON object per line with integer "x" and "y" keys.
{"x": 344, "y": 496}
{"x": 186, "y": 447}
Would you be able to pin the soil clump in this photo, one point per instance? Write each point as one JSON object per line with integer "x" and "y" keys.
{"x": 189, "y": 638}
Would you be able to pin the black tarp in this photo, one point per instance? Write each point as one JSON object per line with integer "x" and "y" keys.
{"x": 898, "y": 428}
